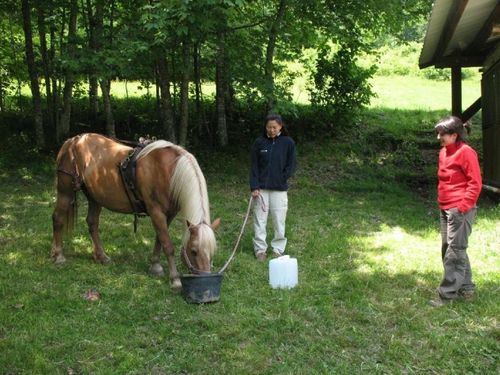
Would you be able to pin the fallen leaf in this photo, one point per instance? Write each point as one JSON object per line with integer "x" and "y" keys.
{"x": 92, "y": 295}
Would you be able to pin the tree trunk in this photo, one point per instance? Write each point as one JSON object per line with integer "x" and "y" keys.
{"x": 46, "y": 65}
{"x": 197, "y": 86}
{"x": 108, "y": 111}
{"x": 220, "y": 91}
{"x": 166, "y": 113}
{"x": 69, "y": 76}
{"x": 30, "y": 61}
{"x": 16, "y": 61}
{"x": 184, "y": 119}
{"x": 271, "y": 45}
{"x": 93, "y": 82}
{"x": 93, "y": 95}
{"x": 57, "y": 82}
{"x": 2, "y": 96}
{"x": 174, "y": 83}
{"x": 105, "y": 82}
{"x": 201, "y": 117}
{"x": 53, "y": 78}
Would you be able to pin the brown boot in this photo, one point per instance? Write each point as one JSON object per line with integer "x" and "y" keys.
{"x": 261, "y": 257}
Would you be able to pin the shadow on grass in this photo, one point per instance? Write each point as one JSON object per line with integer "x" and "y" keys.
{"x": 368, "y": 253}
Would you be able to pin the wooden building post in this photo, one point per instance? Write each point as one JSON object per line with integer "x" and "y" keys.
{"x": 456, "y": 91}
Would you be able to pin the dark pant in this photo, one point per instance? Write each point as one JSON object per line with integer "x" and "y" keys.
{"x": 455, "y": 231}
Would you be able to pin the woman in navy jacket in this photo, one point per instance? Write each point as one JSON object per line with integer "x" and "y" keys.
{"x": 273, "y": 162}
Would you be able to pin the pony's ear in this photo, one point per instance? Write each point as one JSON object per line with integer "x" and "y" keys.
{"x": 215, "y": 225}
{"x": 191, "y": 227}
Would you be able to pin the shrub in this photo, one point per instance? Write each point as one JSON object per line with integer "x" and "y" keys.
{"x": 340, "y": 84}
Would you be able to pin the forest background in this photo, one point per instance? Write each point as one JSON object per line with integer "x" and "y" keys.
{"x": 199, "y": 73}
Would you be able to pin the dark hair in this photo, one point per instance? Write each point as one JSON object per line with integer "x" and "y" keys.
{"x": 453, "y": 125}
{"x": 274, "y": 117}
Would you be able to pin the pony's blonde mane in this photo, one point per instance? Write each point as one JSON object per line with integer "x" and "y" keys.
{"x": 188, "y": 191}
{"x": 206, "y": 236}
{"x": 154, "y": 146}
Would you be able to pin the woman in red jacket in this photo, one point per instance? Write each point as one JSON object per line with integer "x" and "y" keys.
{"x": 459, "y": 187}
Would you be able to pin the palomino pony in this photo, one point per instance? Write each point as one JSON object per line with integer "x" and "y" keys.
{"x": 168, "y": 181}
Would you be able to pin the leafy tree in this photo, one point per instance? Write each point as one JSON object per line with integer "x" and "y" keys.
{"x": 339, "y": 83}
{"x": 12, "y": 49}
{"x": 345, "y": 30}
{"x": 244, "y": 47}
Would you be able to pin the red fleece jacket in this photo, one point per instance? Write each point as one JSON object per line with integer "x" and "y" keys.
{"x": 459, "y": 177}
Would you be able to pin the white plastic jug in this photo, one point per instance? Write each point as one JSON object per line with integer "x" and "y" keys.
{"x": 283, "y": 272}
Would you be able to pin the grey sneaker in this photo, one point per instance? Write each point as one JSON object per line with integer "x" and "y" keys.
{"x": 466, "y": 295}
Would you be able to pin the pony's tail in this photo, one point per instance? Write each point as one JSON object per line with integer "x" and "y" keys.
{"x": 65, "y": 164}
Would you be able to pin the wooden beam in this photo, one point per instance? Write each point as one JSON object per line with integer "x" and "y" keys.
{"x": 493, "y": 189}
{"x": 479, "y": 42}
{"x": 472, "y": 110}
{"x": 463, "y": 61}
{"x": 456, "y": 91}
{"x": 455, "y": 13}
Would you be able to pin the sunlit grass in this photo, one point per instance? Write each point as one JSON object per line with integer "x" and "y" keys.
{"x": 397, "y": 250}
{"x": 417, "y": 93}
{"x": 392, "y": 92}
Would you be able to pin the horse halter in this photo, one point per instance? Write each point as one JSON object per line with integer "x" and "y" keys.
{"x": 196, "y": 271}
{"x": 192, "y": 269}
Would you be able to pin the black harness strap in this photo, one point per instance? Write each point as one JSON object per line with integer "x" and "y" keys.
{"x": 128, "y": 174}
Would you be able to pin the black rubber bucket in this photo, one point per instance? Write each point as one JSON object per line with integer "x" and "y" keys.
{"x": 201, "y": 288}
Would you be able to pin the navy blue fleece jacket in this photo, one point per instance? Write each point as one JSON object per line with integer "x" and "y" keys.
{"x": 274, "y": 161}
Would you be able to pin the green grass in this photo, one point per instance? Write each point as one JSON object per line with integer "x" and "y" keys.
{"x": 368, "y": 250}
{"x": 419, "y": 93}
{"x": 410, "y": 92}
{"x": 393, "y": 91}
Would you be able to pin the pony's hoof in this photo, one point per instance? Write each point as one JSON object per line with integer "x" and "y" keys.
{"x": 59, "y": 259}
{"x": 175, "y": 284}
{"x": 157, "y": 270}
{"x": 103, "y": 259}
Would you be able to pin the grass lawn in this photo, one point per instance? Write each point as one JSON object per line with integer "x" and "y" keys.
{"x": 417, "y": 93}
{"x": 368, "y": 250}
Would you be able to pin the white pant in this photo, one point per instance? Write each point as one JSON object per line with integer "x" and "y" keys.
{"x": 275, "y": 202}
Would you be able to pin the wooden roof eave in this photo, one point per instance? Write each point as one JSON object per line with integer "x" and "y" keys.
{"x": 455, "y": 13}
{"x": 461, "y": 61}
{"x": 477, "y": 50}
{"x": 480, "y": 42}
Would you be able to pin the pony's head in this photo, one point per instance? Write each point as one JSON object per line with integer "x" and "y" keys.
{"x": 199, "y": 246}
